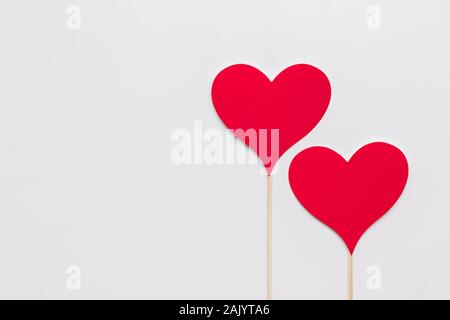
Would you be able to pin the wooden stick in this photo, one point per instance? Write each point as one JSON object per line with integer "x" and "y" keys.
{"x": 350, "y": 276}
{"x": 269, "y": 237}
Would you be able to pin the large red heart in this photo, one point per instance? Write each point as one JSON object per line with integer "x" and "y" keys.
{"x": 294, "y": 102}
{"x": 349, "y": 196}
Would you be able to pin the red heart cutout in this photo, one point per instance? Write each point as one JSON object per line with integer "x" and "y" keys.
{"x": 294, "y": 102}
{"x": 349, "y": 196}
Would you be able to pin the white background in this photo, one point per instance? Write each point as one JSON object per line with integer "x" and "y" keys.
{"x": 86, "y": 176}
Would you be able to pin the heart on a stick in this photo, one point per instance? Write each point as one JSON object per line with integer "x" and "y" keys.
{"x": 349, "y": 196}
{"x": 275, "y": 113}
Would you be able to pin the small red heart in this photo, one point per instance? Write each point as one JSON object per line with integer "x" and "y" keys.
{"x": 294, "y": 102}
{"x": 349, "y": 196}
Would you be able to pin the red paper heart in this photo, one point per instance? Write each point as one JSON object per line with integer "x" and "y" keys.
{"x": 294, "y": 102}
{"x": 349, "y": 196}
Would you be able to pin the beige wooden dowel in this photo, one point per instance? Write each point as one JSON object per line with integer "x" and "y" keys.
{"x": 350, "y": 276}
{"x": 269, "y": 237}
